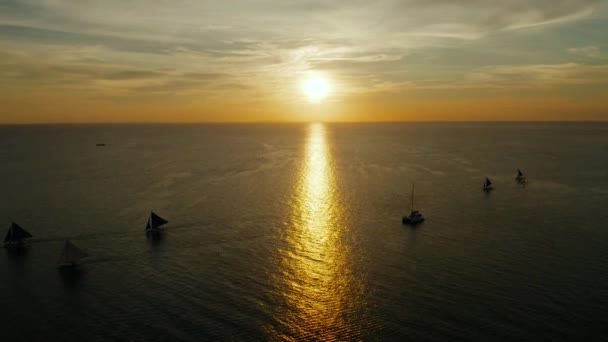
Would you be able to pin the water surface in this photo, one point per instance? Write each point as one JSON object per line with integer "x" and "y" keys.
{"x": 293, "y": 232}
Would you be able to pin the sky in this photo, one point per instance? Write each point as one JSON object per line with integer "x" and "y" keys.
{"x": 86, "y": 61}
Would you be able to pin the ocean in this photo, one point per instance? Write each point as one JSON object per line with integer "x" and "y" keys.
{"x": 293, "y": 232}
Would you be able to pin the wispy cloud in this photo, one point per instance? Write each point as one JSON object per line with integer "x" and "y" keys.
{"x": 587, "y": 51}
{"x": 536, "y": 76}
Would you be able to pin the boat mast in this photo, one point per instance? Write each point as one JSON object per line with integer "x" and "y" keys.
{"x": 412, "y": 197}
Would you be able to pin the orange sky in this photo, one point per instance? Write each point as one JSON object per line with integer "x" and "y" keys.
{"x": 192, "y": 61}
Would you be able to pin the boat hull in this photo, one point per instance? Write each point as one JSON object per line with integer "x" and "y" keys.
{"x": 153, "y": 231}
{"x": 412, "y": 221}
{"x": 14, "y": 245}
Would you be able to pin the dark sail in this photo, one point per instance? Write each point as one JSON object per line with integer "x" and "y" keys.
{"x": 519, "y": 173}
{"x": 71, "y": 254}
{"x": 487, "y": 185}
{"x": 155, "y": 221}
{"x": 16, "y": 233}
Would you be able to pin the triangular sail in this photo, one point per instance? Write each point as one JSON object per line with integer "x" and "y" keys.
{"x": 519, "y": 173}
{"x": 71, "y": 254}
{"x": 487, "y": 185}
{"x": 9, "y": 235}
{"x": 16, "y": 233}
{"x": 155, "y": 221}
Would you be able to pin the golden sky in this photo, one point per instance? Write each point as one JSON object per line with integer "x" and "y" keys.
{"x": 245, "y": 61}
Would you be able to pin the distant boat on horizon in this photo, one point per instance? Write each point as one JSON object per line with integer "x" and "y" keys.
{"x": 487, "y": 185}
{"x": 154, "y": 223}
{"x": 71, "y": 256}
{"x": 415, "y": 217}
{"x": 16, "y": 236}
{"x": 100, "y": 144}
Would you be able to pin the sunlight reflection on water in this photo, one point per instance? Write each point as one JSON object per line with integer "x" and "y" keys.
{"x": 319, "y": 292}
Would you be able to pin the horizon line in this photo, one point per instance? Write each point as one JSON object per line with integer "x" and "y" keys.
{"x": 289, "y": 122}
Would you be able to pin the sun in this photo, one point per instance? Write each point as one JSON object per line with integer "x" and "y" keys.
{"x": 316, "y": 88}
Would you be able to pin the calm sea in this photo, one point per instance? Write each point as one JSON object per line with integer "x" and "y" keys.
{"x": 293, "y": 232}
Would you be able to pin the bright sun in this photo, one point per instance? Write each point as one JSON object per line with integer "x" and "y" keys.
{"x": 316, "y": 88}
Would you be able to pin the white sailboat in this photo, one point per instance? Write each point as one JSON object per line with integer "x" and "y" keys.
{"x": 415, "y": 217}
{"x": 487, "y": 185}
{"x": 154, "y": 223}
{"x": 71, "y": 255}
{"x": 16, "y": 236}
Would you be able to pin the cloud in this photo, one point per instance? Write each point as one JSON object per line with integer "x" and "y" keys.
{"x": 540, "y": 75}
{"x": 534, "y": 19}
{"x": 149, "y": 25}
{"x": 23, "y": 70}
{"x": 258, "y": 47}
{"x": 586, "y": 51}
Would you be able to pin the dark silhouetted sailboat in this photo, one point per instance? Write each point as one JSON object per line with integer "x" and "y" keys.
{"x": 487, "y": 185}
{"x": 71, "y": 255}
{"x": 16, "y": 236}
{"x": 154, "y": 223}
{"x": 415, "y": 217}
{"x": 520, "y": 177}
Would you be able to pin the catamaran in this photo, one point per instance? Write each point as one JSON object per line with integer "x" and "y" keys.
{"x": 415, "y": 217}
{"x": 71, "y": 255}
{"x": 487, "y": 186}
{"x": 16, "y": 236}
{"x": 154, "y": 223}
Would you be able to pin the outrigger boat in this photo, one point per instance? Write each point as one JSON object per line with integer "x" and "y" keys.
{"x": 487, "y": 185}
{"x": 520, "y": 178}
{"x": 16, "y": 236}
{"x": 71, "y": 255}
{"x": 155, "y": 223}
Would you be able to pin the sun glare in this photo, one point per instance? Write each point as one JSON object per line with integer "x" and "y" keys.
{"x": 316, "y": 88}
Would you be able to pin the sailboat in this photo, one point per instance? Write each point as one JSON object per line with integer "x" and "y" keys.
{"x": 487, "y": 186}
{"x": 16, "y": 236}
{"x": 154, "y": 223}
{"x": 520, "y": 177}
{"x": 71, "y": 255}
{"x": 415, "y": 217}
